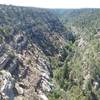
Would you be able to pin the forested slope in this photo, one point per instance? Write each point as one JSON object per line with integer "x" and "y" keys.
{"x": 79, "y": 76}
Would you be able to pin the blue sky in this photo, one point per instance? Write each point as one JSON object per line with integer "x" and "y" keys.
{"x": 54, "y": 3}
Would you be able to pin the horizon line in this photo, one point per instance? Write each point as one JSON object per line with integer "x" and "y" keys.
{"x": 49, "y": 7}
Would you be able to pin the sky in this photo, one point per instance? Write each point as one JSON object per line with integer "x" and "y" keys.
{"x": 54, "y": 3}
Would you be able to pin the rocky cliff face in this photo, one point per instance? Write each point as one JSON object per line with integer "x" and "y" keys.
{"x": 28, "y": 37}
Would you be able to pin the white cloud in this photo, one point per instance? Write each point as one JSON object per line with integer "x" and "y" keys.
{"x": 55, "y": 3}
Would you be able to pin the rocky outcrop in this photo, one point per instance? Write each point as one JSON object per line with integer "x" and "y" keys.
{"x": 6, "y": 86}
{"x": 43, "y": 85}
{"x": 19, "y": 89}
{"x": 20, "y": 42}
{"x": 22, "y": 67}
{"x": 3, "y": 60}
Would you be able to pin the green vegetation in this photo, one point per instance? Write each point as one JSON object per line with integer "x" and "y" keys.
{"x": 1, "y": 39}
{"x": 80, "y": 61}
{"x": 76, "y": 93}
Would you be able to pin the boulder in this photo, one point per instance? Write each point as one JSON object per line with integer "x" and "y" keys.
{"x": 96, "y": 85}
{"x": 42, "y": 96}
{"x": 6, "y": 85}
{"x": 3, "y": 60}
{"x": 19, "y": 89}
